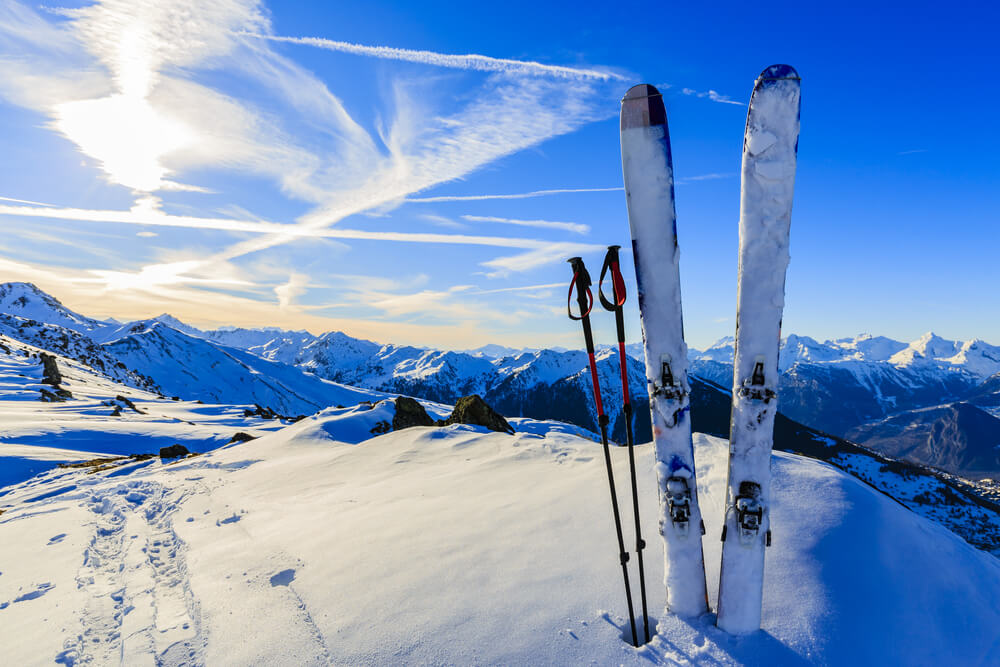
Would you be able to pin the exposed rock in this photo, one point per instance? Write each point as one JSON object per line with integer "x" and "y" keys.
{"x": 410, "y": 413}
{"x": 268, "y": 413}
{"x": 50, "y": 370}
{"x": 58, "y": 396}
{"x": 129, "y": 404}
{"x": 381, "y": 427}
{"x": 242, "y": 437}
{"x": 173, "y": 451}
{"x": 474, "y": 410}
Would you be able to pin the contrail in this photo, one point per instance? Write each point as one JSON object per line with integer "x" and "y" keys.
{"x": 520, "y": 195}
{"x": 470, "y": 61}
{"x": 574, "y": 227}
{"x": 292, "y": 231}
{"x": 25, "y": 201}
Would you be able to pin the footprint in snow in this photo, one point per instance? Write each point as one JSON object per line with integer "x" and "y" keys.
{"x": 56, "y": 539}
{"x": 283, "y": 578}
{"x": 37, "y": 593}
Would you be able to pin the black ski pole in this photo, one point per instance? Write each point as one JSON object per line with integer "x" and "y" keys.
{"x": 585, "y": 299}
{"x": 618, "y": 294}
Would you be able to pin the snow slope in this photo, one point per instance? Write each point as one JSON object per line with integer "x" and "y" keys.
{"x": 102, "y": 418}
{"x": 455, "y": 546}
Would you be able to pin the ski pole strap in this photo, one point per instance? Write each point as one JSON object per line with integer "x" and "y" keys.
{"x": 581, "y": 281}
{"x": 617, "y": 282}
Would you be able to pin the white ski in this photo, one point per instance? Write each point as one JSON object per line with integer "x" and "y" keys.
{"x": 769, "y": 155}
{"x": 649, "y": 190}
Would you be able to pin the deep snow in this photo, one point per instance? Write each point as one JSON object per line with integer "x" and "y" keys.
{"x": 316, "y": 545}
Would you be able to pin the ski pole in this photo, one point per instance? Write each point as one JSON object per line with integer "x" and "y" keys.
{"x": 585, "y": 300}
{"x": 618, "y": 295}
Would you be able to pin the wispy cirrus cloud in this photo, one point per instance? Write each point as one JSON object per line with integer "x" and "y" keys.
{"x": 502, "y": 267}
{"x": 133, "y": 86}
{"x": 468, "y": 62}
{"x": 518, "y": 195}
{"x": 156, "y": 218}
{"x": 574, "y": 227}
{"x": 712, "y": 95}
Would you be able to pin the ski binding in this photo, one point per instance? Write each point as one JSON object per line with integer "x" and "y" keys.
{"x": 754, "y": 386}
{"x": 749, "y": 511}
{"x": 667, "y": 387}
{"x": 679, "y": 503}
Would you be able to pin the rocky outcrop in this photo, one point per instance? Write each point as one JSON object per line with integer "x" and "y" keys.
{"x": 410, "y": 413}
{"x": 474, "y": 410}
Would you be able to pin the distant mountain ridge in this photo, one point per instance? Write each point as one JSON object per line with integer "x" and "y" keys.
{"x": 836, "y": 386}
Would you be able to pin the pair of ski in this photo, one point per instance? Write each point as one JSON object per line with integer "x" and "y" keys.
{"x": 768, "y": 176}
{"x": 770, "y": 144}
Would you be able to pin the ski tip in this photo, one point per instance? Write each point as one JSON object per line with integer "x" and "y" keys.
{"x": 642, "y": 106}
{"x": 778, "y": 73}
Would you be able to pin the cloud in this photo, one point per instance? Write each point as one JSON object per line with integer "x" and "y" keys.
{"x": 522, "y": 195}
{"x": 146, "y": 234}
{"x": 24, "y": 201}
{"x": 911, "y": 152}
{"x": 551, "y": 253}
{"x": 574, "y": 227}
{"x": 295, "y": 287}
{"x": 703, "y": 177}
{"x": 129, "y": 84}
{"x": 712, "y": 95}
{"x": 467, "y": 62}
{"x": 441, "y": 221}
{"x": 208, "y": 309}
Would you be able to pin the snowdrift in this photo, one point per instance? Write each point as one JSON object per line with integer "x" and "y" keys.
{"x": 312, "y": 545}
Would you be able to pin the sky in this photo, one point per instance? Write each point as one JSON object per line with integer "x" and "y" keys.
{"x": 411, "y": 173}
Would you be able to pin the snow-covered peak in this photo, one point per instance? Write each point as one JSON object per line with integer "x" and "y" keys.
{"x": 175, "y": 323}
{"x": 720, "y": 350}
{"x": 978, "y": 357}
{"x": 27, "y": 301}
{"x": 865, "y": 347}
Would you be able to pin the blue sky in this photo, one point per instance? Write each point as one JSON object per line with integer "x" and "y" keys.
{"x": 334, "y": 166}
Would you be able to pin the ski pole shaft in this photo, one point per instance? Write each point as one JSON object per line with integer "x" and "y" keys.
{"x": 584, "y": 297}
{"x": 618, "y": 293}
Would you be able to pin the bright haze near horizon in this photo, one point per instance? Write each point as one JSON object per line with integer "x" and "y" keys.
{"x": 350, "y": 166}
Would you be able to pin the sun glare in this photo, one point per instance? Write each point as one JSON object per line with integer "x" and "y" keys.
{"x": 127, "y": 135}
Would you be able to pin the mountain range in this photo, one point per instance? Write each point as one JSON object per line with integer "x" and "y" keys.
{"x": 932, "y": 401}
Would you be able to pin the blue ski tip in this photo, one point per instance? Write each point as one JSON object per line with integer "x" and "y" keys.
{"x": 642, "y": 106}
{"x": 778, "y": 73}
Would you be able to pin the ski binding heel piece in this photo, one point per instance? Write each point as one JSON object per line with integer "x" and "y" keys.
{"x": 753, "y": 386}
{"x": 667, "y": 387}
{"x": 679, "y": 503}
{"x": 749, "y": 511}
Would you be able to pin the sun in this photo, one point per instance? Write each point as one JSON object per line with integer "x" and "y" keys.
{"x": 127, "y": 135}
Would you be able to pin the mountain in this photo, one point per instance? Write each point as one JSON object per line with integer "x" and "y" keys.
{"x": 74, "y": 345}
{"x": 457, "y": 546}
{"x": 26, "y": 301}
{"x": 836, "y": 386}
{"x": 195, "y": 368}
{"x": 959, "y": 438}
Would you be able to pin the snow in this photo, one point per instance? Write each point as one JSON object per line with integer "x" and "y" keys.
{"x": 36, "y": 436}
{"x": 456, "y": 546}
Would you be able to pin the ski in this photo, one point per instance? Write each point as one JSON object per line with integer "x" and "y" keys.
{"x": 649, "y": 190}
{"x": 768, "y": 180}
{"x": 585, "y": 300}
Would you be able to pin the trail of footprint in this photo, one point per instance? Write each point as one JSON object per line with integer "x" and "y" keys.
{"x": 141, "y": 608}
